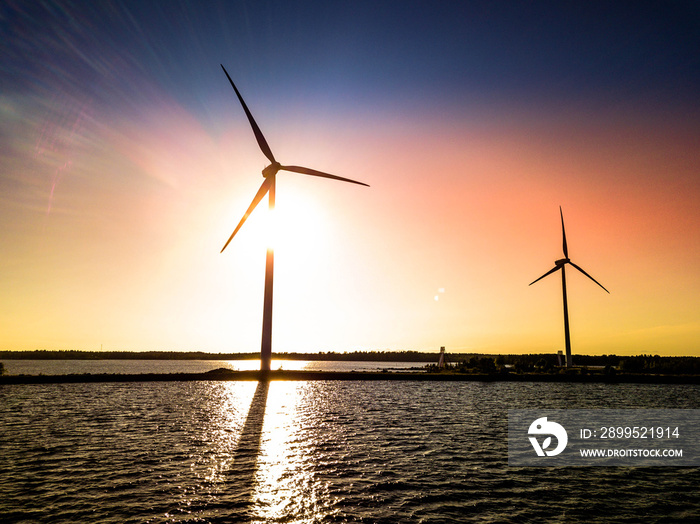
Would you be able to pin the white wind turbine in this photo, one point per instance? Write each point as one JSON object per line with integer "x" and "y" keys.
{"x": 268, "y": 187}
{"x": 561, "y": 265}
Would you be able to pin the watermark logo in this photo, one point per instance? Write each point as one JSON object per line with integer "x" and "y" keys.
{"x": 542, "y": 426}
{"x": 603, "y": 437}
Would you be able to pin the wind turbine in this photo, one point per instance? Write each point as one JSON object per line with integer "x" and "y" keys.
{"x": 268, "y": 187}
{"x": 560, "y": 264}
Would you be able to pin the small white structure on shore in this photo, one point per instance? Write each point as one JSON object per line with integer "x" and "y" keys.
{"x": 441, "y": 358}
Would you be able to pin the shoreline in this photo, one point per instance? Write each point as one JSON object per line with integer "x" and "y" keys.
{"x": 223, "y": 374}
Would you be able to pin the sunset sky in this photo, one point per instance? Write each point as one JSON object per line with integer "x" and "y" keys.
{"x": 126, "y": 161}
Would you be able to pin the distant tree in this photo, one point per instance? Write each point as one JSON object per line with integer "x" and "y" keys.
{"x": 631, "y": 364}
{"x": 483, "y": 364}
{"x": 543, "y": 365}
{"x": 2, "y": 368}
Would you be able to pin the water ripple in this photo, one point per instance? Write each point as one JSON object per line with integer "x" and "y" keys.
{"x": 308, "y": 452}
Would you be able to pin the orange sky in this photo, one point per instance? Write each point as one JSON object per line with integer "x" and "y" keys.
{"x": 467, "y": 213}
{"x": 113, "y": 218}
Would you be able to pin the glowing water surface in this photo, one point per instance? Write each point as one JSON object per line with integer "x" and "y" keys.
{"x": 317, "y": 451}
{"x": 127, "y": 366}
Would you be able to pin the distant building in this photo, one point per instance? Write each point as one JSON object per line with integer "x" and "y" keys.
{"x": 441, "y": 358}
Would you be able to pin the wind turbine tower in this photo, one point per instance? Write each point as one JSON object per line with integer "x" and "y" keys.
{"x": 268, "y": 188}
{"x": 561, "y": 265}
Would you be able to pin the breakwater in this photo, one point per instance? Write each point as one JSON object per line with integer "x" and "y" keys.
{"x": 230, "y": 375}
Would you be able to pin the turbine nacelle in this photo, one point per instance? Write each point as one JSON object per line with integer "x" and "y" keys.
{"x": 559, "y": 264}
{"x": 272, "y": 169}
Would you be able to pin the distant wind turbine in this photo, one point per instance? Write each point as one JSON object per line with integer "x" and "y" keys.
{"x": 268, "y": 187}
{"x": 560, "y": 264}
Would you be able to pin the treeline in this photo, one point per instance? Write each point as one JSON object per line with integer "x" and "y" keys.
{"x": 660, "y": 365}
{"x": 548, "y": 363}
{"x": 381, "y": 356}
{"x": 539, "y": 362}
{"x": 373, "y": 356}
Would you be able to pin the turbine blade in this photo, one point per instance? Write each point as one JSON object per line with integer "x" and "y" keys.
{"x": 264, "y": 188}
{"x": 589, "y": 276}
{"x": 256, "y": 130}
{"x": 563, "y": 233}
{"x": 547, "y": 273}
{"x": 313, "y": 172}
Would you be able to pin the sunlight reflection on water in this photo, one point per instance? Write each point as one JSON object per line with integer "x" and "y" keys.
{"x": 284, "y": 481}
{"x": 316, "y": 451}
{"x": 226, "y": 420}
{"x": 257, "y": 459}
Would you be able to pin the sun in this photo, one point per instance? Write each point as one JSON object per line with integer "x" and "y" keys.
{"x": 298, "y": 223}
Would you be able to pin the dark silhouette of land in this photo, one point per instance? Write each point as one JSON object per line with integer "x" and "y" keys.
{"x": 546, "y": 363}
{"x": 223, "y": 374}
{"x": 460, "y": 367}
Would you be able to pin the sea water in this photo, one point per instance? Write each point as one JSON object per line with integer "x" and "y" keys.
{"x": 316, "y": 451}
{"x": 128, "y": 366}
